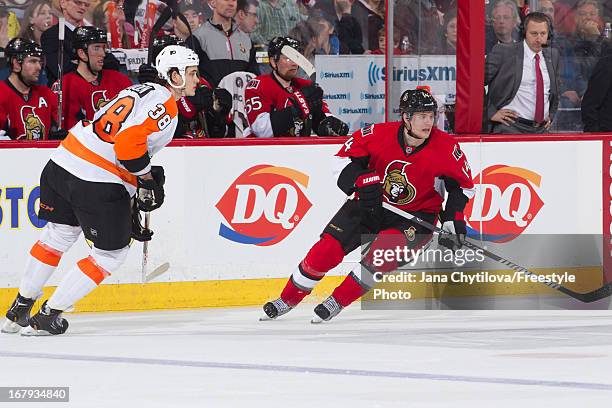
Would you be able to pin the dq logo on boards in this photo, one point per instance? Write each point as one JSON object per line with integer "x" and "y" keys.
{"x": 264, "y": 205}
{"x": 505, "y": 203}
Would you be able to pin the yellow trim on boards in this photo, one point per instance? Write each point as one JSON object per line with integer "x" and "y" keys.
{"x": 250, "y": 292}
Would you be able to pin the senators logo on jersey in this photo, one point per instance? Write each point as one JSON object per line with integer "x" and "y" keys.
{"x": 98, "y": 99}
{"x": 398, "y": 189}
{"x": 33, "y": 126}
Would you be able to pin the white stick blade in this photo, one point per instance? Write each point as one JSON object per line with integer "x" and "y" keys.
{"x": 299, "y": 59}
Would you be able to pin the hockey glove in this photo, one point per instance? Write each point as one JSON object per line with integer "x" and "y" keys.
{"x": 203, "y": 99}
{"x": 455, "y": 230}
{"x": 151, "y": 190}
{"x": 332, "y": 126}
{"x": 222, "y": 101}
{"x": 139, "y": 232}
{"x": 314, "y": 97}
{"x": 147, "y": 73}
{"x": 369, "y": 194}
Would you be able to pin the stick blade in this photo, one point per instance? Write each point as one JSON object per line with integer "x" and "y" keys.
{"x": 160, "y": 270}
{"x": 299, "y": 59}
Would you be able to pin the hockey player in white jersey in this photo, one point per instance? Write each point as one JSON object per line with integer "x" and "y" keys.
{"x": 90, "y": 184}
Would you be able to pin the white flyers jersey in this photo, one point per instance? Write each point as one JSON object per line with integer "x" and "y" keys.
{"x": 116, "y": 146}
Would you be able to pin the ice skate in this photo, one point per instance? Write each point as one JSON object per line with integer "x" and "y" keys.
{"x": 326, "y": 311}
{"x": 18, "y": 316}
{"x": 46, "y": 322}
{"x": 274, "y": 309}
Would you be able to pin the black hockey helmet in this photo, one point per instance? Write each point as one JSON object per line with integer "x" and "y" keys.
{"x": 162, "y": 42}
{"x": 84, "y": 36}
{"x": 277, "y": 43}
{"x": 417, "y": 100}
{"x": 21, "y": 48}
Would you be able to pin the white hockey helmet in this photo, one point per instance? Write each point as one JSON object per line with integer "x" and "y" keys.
{"x": 175, "y": 56}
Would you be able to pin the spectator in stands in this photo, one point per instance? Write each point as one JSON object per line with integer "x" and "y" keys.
{"x": 222, "y": 48}
{"x": 548, "y": 7}
{"x": 420, "y": 24}
{"x": 346, "y": 26}
{"x": 505, "y": 22}
{"x": 246, "y": 16}
{"x": 9, "y": 26}
{"x": 523, "y": 100}
{"x": 375, "y": 21}
{"x": 276, "y": 18}
{"x": 597, "y": 101}
{"x": 36, "y": 20}
{"x": 449, "y": 43}
{"x": 327, "y": 42}
{"x": 382, "y": 43}
{"x": 580, "y": 52}
{"x": 101, "y": 19}
{"x": 73, "y": 12}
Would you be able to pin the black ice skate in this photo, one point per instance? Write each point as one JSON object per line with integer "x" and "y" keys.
{"x": 326, "y": 310}
{"x": 46, "y": 322}
{"x": 274, "y": 309}
{"x": 18, "y": 315}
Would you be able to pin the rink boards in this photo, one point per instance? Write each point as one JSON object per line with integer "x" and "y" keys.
{"x": 239, "y": 216}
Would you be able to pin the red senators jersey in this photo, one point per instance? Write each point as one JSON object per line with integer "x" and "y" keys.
{"x": 412, "y": 178}
{"x": 83, "y": 99}
{"x": 117, "y": 145}
{"x": 265, "y": 94}
{"x": 28, "y": 116}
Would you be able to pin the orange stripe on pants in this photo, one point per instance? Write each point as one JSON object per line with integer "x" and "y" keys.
{"x": 46, "y": 254}
{"x": 90, "y": 268}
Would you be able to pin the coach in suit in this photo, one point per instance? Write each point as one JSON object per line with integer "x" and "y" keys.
{"x": 523, "y": 81}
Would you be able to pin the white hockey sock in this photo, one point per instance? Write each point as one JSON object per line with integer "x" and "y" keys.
{"x": 41, "y": 264}
{"x": 84, "y": 277}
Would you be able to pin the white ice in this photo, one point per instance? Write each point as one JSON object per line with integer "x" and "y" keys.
{"x": 227, "y": 358}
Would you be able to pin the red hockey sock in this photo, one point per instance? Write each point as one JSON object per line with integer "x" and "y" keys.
{"x": 292, "y": 295}
{"x": 348, "y": 291}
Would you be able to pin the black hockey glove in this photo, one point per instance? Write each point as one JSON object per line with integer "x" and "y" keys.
{"x": 58, "y": 134}
{"x": 314, "y": 97}
{"x": 369, "y": 194}
{"x": 139, "y": 232}
{"x": 454, "y": 228}
{"x": 147, "y": 73}
{"x": 332, "y": 126}
{"x": 203, "y": 99}
{"x": 151, "y": 191}
{"x": 222, "y": 101}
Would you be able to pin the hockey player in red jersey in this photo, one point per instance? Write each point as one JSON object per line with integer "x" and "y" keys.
{"x": 28, "y": 110}
{"x": 407, "y": 164}
{"x": 96, "y": 182}
{"x": 90, "y": 87}
{"x": 281, "y": 104}
{"x": 204, "y": 114}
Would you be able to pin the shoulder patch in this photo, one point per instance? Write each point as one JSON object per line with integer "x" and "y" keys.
{"x": 253, "y": 84}
{"x": 457, "y": 153}
{"x": 368, "y": 130}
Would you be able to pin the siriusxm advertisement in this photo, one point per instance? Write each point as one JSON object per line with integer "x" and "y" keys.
{"x": 365, "y": 104}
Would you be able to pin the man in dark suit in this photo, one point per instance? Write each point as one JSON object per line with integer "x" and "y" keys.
{"x": 523, "y": 80}
{"x": 74, "y": 12}
{"x": 597, "y": 100}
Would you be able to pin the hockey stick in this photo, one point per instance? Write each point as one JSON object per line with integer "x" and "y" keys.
{"x": 161, "y": 269}
{"x": 597, "y": 294}
{"x": 60, "y": 68}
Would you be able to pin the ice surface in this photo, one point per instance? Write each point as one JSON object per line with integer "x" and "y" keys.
{"x": 227, "y": 358}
